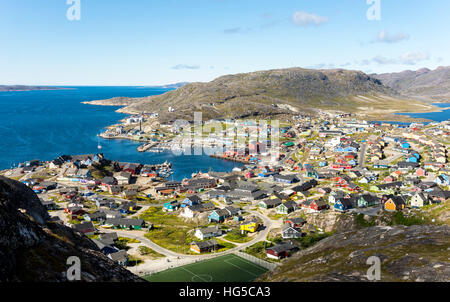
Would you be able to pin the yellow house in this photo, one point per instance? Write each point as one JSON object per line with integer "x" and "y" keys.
{"x": 395, "y": 203}
{"x": 251, "y": 226}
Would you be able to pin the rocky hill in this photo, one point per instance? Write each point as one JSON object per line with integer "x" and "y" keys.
{"x": 426, "y": 84}
{"x": 253, "y": 94}
{"x": 276, "y": 93}
{"x": 414, "y": 253}
{"x": 34, "y": 249}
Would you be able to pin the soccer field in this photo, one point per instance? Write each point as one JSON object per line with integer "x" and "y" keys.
{"x": 228, "y": 268}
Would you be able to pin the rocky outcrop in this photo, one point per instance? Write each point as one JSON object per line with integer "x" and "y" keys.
{"x": 332, "y": 221}
{"x": 33, "y": 249}
{"x": 414, "y": 253}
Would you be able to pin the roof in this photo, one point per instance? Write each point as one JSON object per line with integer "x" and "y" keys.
{"x": 283, "y": 247}
{"x": 272, "y": 202}
{"x": 124, "y": 221}
{"x": 289, "y": 204}
{"x": 119, "y": 256}
{"x": 205, "y": 244}
{"x": 194, "y": 198}
{"x": 86, "y": 226}
{"x": 107, "y": 236}
{"x": 369, "y": 198}
{"x": 212, "y": 229}
{"x": 297, "y": 220}
{"x": 286, "y": 226}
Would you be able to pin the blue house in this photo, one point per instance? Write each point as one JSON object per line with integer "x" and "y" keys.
{"x": 265, "y": 174}
{"x": 412, "y": 159}
{"x": 442, "y": 180}
{"x": 343, "y": 204}
{"x": 218, "y": 216}
{"x": 171, "y": 206}
{"x": 380, "y": 166}
{"x": 405, "y": 145}
{"x": 323, "y": 164}
{"x": 287, "y": 179}
{"x": 191, "y": 201}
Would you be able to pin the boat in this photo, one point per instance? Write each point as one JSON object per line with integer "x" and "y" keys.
{"x": 98, "y": 145}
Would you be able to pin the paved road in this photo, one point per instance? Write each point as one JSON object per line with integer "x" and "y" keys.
{"x": 140, "y": 235}
{"x": 362, "y": 156}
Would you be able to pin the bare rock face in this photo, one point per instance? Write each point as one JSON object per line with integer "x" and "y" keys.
{"x": 332, "y": 221}
{"x": 415, "y": 253}
{"x": 33, "y": 249}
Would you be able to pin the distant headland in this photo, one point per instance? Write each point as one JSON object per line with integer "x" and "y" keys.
{"x": 29, "y": 88}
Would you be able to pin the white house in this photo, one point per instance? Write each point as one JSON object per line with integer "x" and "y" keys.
{"x": 208, "y": 232}
{"x": 419, "y": 200}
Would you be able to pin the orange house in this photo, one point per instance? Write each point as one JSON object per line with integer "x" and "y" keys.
{"x": 395, "y": 203}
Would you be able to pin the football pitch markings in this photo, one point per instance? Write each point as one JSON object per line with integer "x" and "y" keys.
{"x": 228, "y": 268}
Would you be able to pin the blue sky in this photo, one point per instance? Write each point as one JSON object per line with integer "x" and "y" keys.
{"x": 152, "y": 42}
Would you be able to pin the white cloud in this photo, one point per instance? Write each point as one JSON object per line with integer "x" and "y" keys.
{"x": 383, "y": 60}
{"x": 184, "y": 66}
{"x": 234, "y": 30}
{"x": 302, "y": 18}
{"x": 413, "y": 57}
{"x": 385, "y": 37}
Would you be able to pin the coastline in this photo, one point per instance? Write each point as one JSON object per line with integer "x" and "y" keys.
{"x": 46, "y": 89}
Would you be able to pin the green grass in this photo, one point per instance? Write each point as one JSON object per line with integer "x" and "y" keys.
{"x": 258, "y": 250}
{"x": 276, "y": 216}
{"x": 400, "y": 219}
{"x": 228, "y": 268}
{"x": 311, "y": 239}
{"x": 122, "y": 242}
{"x": 361, "y": 222}
{"x": 169, "y": 230}
{"x": 146, "y": 251}
{"x": 223, "y": 245}
{"x": 237, "y": 236}
{"x": 134, "y": 261}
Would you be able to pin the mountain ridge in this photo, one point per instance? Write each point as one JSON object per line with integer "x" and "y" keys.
{"x": 423, "y": 84}
{"x": 278, "y": 93}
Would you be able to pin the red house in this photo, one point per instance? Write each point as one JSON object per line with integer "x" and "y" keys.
{"x": 421, "y": 172}
{"x": 296, "y": 223}
{"x": 74, "y": 211}
{"x": 281, "y": 250}
{"x": 318, "y": 205}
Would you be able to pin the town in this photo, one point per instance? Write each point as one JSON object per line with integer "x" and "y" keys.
{"x": 330, "y": 168}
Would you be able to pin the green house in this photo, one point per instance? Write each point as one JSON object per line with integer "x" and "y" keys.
{"x": 123, "y": 223}
{"x": 367, "y": 200}
{"x": 287, "y": 207}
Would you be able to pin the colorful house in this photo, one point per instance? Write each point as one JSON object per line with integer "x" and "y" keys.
{"x": 124, "y": 223}
{"x": 318, "y": 205}
{"x": 343, "y": 204}
{"x": 218, "y": 216}
{"x": 171, "y": 206}
{"x": 191, "y": 201}
{"x": 287, "y": 207}
{"x": 251, "y": 226}
{"x": 282, "y": 250}
{"x": 395, "y": 203}
{"x": 204, "y": 246}
{"x": 419, "y": 200}
{"x": 288, "y": 232}
{"x": 367, "y": 200}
